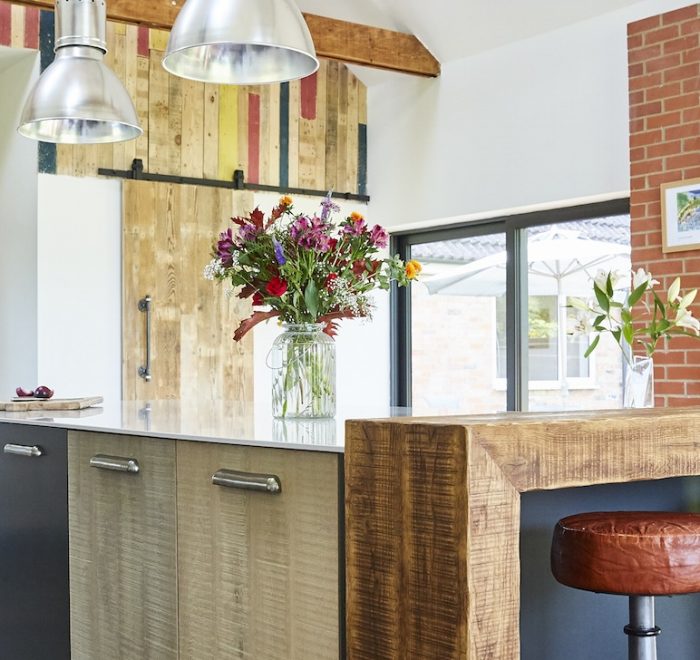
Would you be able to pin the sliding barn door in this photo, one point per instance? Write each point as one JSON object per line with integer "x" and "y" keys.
{"x": 168, "y": 231}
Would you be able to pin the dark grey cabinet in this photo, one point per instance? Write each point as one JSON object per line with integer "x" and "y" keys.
{"x": 34, "y": 591}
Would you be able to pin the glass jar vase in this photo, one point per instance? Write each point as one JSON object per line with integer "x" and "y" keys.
{"x": 639, "y": 383}
{"x": 302, "y": 360}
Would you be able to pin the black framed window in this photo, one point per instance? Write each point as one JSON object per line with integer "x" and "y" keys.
{"x": 488, "y": 327}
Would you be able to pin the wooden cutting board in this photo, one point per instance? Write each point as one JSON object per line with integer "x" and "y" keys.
{"x": 24, "y": 404}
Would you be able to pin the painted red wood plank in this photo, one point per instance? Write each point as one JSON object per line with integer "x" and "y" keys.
{"x": 31, "y": 27}
{"x": 308, "y": 96}
{"x": 253, "y": 173}
{"x": 5, "y": 23}
{"x": 143, "y": 41}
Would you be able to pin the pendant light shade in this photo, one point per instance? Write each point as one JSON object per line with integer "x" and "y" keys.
{"x": 78, "y": 99}
{"x": 240, "y": 42}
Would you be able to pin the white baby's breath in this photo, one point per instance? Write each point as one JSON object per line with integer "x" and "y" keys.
{"x": 213, "y": 270}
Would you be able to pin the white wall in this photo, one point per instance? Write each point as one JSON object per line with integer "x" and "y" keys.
{"x": 362, "y": 346}
{"x": 537, "y": 121}
{"x": 79, "y": 295}
{"x": 18, "y": 261}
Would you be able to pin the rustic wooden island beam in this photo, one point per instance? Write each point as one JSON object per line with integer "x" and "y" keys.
{"x": 433, "y": 516}
{"x": 334, "y": 39}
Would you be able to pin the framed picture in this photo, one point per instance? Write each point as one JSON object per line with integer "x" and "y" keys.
{"x": 680, "y": 215}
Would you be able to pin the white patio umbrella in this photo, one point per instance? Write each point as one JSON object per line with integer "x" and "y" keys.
{"x": 560, "y": 262}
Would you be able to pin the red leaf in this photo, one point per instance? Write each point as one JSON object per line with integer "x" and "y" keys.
{"x": 257, "y": 217}
{"x": 249, "y": 323}
{"x": 247, "y": 291}
{"x": 330, "y": 319}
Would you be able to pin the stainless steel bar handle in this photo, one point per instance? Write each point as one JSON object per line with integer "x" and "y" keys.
{"x": 145, "y": 306}
{"x": 266, "y": 483}
{"x": 23, "y": 450}
{"x": 116, "y": 463}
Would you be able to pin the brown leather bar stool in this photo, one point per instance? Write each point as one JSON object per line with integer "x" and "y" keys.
{"x": 640, "y": 554}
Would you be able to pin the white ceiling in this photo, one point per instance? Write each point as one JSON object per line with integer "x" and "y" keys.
{"x": 454, "y": 29}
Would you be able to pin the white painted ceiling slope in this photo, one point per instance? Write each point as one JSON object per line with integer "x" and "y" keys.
{"x": 454, "y": 29}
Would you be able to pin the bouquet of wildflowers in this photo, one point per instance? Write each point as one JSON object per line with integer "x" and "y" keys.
{"x": 305, "y": 269}
{"x": 643, "y": 318}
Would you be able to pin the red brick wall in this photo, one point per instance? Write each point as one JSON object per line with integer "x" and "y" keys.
{"x": 664, "y": 95}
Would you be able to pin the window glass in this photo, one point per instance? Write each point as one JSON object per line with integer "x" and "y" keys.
{"x": 459, "y": 318}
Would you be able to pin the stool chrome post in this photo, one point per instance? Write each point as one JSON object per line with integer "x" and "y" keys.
{"x": 642, "y": 631}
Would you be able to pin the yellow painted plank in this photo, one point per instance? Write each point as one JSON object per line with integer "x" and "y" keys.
{"x": 242, "y": 128}
{"x": 158, "y": 39}
{"x": 228, "y": 131}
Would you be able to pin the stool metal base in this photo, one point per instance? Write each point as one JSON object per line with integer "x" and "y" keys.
{"x": 641, "y": 630}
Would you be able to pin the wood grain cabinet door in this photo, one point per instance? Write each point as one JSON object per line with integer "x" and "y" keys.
{"x": 123, "y": 549}
{"x": 258, "y": 572}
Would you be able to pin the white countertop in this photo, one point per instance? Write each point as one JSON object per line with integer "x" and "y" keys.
{"x": 228, "y": 422}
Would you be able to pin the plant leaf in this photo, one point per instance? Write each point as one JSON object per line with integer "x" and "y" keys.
{"x": 602, "y": 299}
{"x": 592, "y": 346}
{"x": 311, "y": 298}
{"x": 637, "y": 294}
{"x": 628, "y": 332}
{"x": 609, "y": 286}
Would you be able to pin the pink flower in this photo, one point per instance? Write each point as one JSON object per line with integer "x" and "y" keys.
{"x": 379, "y": 237}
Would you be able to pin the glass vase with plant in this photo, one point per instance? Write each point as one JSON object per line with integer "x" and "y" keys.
{"x": 310, "y": 272}
{"x": 638, "y": 321}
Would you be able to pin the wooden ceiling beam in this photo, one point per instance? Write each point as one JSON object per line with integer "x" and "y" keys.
{"x": 334, "y": 39}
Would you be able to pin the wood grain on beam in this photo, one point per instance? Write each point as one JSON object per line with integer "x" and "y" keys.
{"x": 371, "y": 46}
{"x": 339, "y": 40}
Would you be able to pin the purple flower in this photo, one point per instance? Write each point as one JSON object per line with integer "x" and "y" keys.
{"x": 299, "y": 226}
{"x": 379, "y": 237}
{"x": 248, "y": 232}
{"x": 279, "y": 252}
{"x": 311, "y": 233}
{"x": 327, "y": 206}
{"x": 355, "y": 227}
{"x": 225, "y": 247}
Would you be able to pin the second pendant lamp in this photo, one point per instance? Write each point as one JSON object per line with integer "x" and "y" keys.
{"x": 240, "y": 42}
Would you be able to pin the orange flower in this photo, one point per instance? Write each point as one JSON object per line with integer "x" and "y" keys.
{"x": 286, "y": 201}
{"x": 413, "y": 268}
{"x": 356, "y": 217}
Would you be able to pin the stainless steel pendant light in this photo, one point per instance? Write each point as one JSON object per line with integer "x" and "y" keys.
{"x": 78, "y": 99}
{"x": 240, "y": 42}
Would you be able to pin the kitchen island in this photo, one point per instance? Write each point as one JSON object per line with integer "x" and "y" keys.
{"x": 171, "y": 530}
{"x": 422, "y": 547}
{"x": 433, "y": 516}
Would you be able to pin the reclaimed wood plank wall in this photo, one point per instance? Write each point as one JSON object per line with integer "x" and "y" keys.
{"x": 310, "y": 133}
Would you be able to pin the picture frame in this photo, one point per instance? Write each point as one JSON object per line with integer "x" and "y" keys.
{"x": 680, "y": 215}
